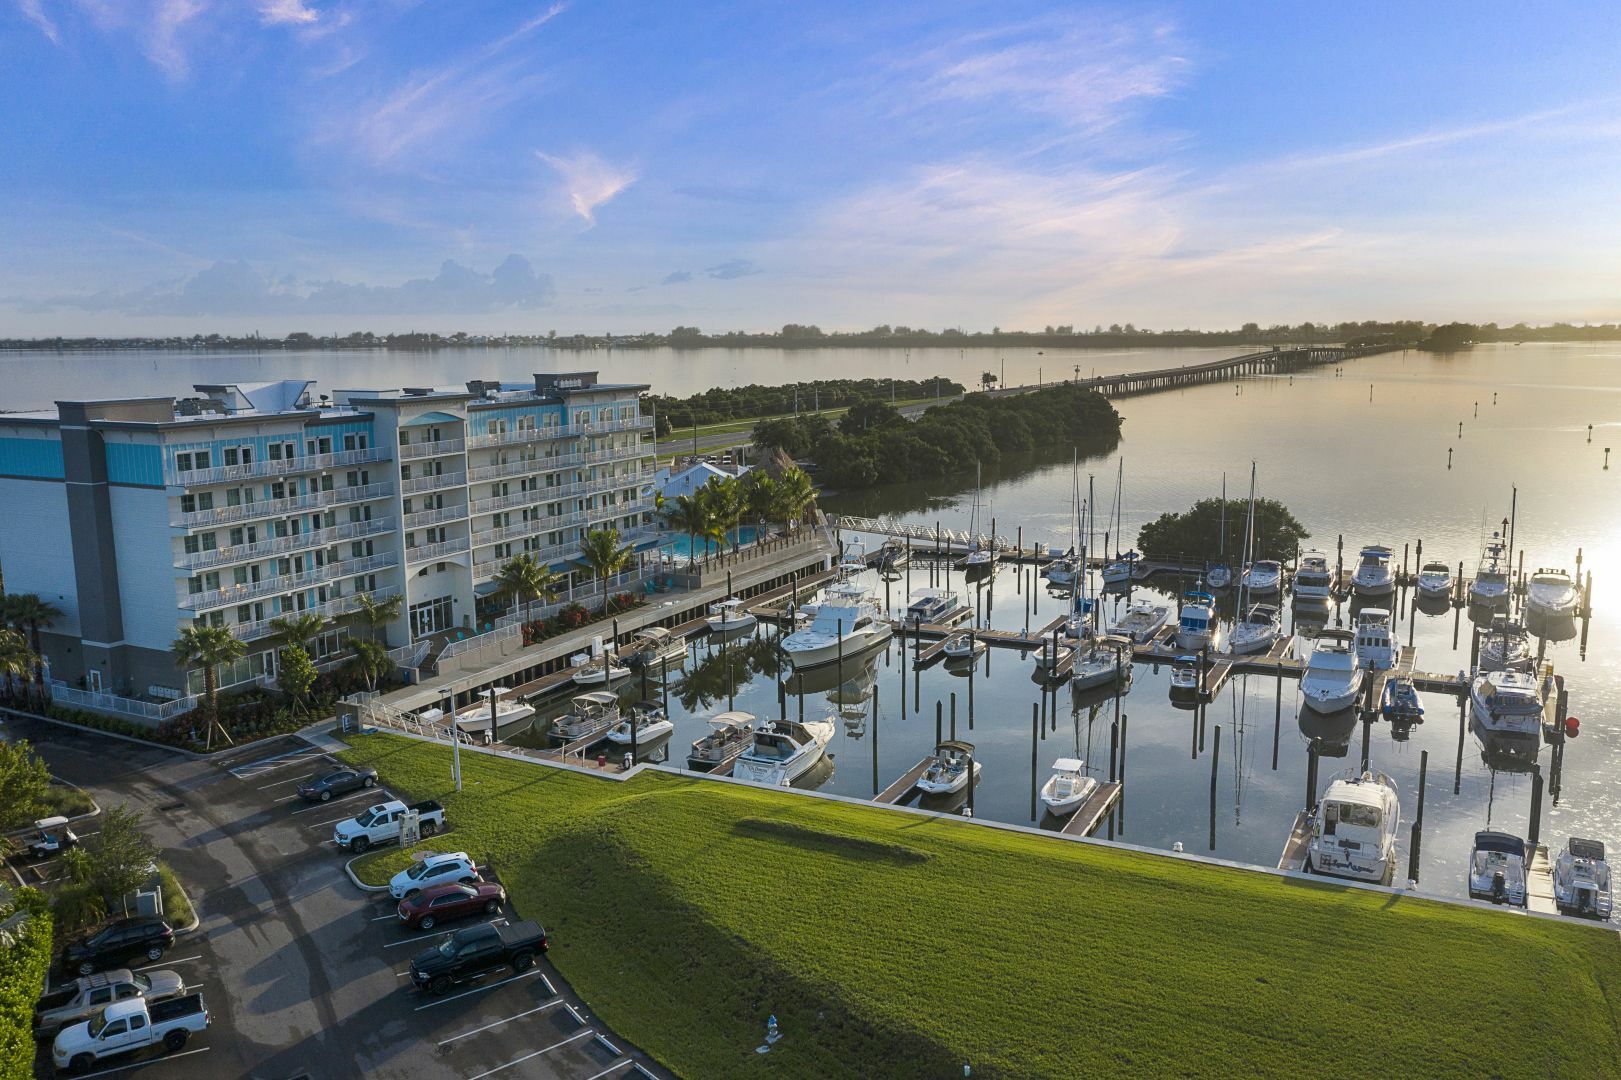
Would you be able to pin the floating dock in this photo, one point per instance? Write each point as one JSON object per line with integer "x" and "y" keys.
{"x": 902, "y": 788}
{"x": 1294, "y": 848}
{"x": 1539, "y": 883}
{"x": 1090, "y": 814}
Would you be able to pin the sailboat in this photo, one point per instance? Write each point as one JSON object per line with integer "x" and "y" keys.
{"x": 1220, "y": 575}
{"x": 1063, "y": 571}
{"x": 1258, "y": 625}
{"x": 1119, "y": 570}
{"x": 1099, "y": 660}
{"x": 979, "y": 559}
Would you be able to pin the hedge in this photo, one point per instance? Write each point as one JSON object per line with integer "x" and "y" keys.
{"x": 25, "y": 958}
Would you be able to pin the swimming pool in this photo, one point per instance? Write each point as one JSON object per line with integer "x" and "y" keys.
{"x": 684, "y": 546}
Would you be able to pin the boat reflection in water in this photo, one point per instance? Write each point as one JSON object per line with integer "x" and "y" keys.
{"x": 1329, "y": 733}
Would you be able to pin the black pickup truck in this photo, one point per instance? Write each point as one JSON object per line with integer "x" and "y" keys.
{"x": 469, "y": 953}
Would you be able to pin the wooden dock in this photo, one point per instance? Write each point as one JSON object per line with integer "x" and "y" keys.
{"x": 1294, "y": 848}
{"x": 1090, "y": 814}
{"x": 901, "y": 788}
{"x": 1539, "y": 883}
{"x": 1402, "y": 670}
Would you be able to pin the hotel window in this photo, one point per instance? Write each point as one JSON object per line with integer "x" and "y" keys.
{"x": 238, "y": 455}
{"x": 526, "y": 423}
{"x": 182, "y": 462}
{"x": 322, "y": 445}
{"x": 354, "y": 441}
{"x": 497, "y": 427}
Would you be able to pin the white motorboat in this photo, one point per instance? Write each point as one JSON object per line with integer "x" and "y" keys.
{"x": 847, "y": 623}
{"x": 1508, "y": 706}
{"x": 1314, "y": 578}
{"x": 962, "y": 645}
{"x": 654, "y": 645}
{"x": 598, "y": 670}
{"x": 1142, "y": 621}
{"x": 1497, "y": 868}
{"x": 935, "y": 607}
{"x": 729, "y": 734}
{"x": 1551, "y": 594}
{"x": 650, "y": 720}
{"x": 783, "y": 750}
{"x": 1101, "y": 661}
{"x": 588, "y": 714}
{"x": 948, "y": 772}
{"x": 1506, "y": 647}
{"x": 728, "y": 615}
{"x": 1435, "y": 581}
{"x": 1198, "y": 624}
{"x": 1374, "y": 576}
{"x": 1264, "y": 577}
{"x": 1354, "y": 829}
{"x": 1052, "y": 653}
{"x": 1490, "y": 588}
{"x": 1185, "y": 675}
{"x": 478, "y": 721}
{"x": 1581, "y": 880}
{"x": 1258, "y": 630}
{"x": 1333, "y": 677}
{"x": 1376, "y": 646}
{"x": 1067, "y": 788}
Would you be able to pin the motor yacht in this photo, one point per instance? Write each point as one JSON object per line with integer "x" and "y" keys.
{"x": 935, "y": 607}
{"x": 1581, "y": 880}
{"x": 1497, "y": 868}
{"x": 847, "y": 623}
{"x": 1142, "y": 621}
{"x": 729, "y": 734}
{"x": 1490, "y": 588}
{"x": 1435, "y": 581}
{"x": 1374, "y": 576}
{"x": 1508, "y": 706}
{"x": 1314, "y": 578}
{"x": 1354, "y": 828}
{"x": 948, "y": 772}
{"x": 1551, "y": 594}
{"x": 1067, "y": 788}
{"x": 728, "y": 615}
{"x": 783, "y": 750}
{"x": 1376, "y": 646}
{"x": 1198, "y": 624}
{"x": 1258, "y": 630}
{"x": 1333, "y": 677}
{"x": 1263, "y": 577}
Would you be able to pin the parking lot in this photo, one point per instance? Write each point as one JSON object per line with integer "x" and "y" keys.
{"x": 304, "y": 974}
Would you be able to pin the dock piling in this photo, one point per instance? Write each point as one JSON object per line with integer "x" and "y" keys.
{"x": 1277, "y": 720}
{"x": 1215, "y": 760}
{"x": 1457, "y": 769}
{"x": 954, "y": 714}
{"x": 1418, "y": 819}
{"x": 939, "y": 719}
{"x": 1534, "y": 835}
{"x": 1034, "y": 725}
{"x": 1114, "y": 747}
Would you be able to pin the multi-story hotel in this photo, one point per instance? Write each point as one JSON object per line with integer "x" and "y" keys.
{"x": 138, "y": 517}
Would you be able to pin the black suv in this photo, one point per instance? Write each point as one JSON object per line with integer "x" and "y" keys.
{"x": 117, "y": 943}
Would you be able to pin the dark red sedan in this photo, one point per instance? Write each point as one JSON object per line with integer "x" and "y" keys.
{"x": 452, "y": 900}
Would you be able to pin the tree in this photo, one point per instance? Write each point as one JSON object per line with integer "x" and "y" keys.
{"x": 869, "y": 416}
{"x": 370, "y": 661}
{"x": 24, "y": 779}
{"x": 374, "y": 613}
{"x": 722, "y": 498}
{"x": 523, "y": 579}
{"x": 793, "y": 495}
{"x": 602, "y": 555}
{"x": 759, "y": 498}
{"x": 1196, "y": 532}
{"x": 28, "y": 612}
{"x": 296, "y": 674}
{"x": 297, "y": 629}
{"x": 208, "y": 647}
{"x": 16, "y": 658}
{"x": 117, "y": 858}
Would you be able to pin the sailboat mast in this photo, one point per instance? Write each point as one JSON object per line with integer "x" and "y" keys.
{"x": 1249, "y": 538}
{"x": 1221, "y": 538}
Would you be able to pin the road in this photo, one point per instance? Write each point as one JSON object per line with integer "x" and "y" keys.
{"x": 300, "y": 969}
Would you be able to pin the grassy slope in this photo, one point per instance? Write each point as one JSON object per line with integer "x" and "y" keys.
{"x": 686, "y": 911}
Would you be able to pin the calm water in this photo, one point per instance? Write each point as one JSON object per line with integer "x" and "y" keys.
{"x": 1363, "y": 454}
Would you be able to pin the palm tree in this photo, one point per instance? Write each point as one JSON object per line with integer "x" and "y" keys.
{"x": 375, "y": 613}
{"x": 795, "y": 495}
{"x": 28, "y": 612}
{"x": 525, "y": 579}
{"x": 602, "y": 555}
{"x": 690, "y": 514}
{"x": 16, "y": 659}
{"x": 208, "y": 647}
{"x": 297, "y": 629}
{"x": 759, "y": 496}
{"x": 370, "y": 661}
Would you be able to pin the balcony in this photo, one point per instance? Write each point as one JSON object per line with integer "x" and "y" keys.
{"x": 489, "y": 562}
{"x": 546, "y": 494}
{"x": 433, "y": 483}
{"x": 341, "y": 605}
{"x": 283, "y": 545}
{"x": 553, "y": 463}
{"x": 430, "y": 448}
{"x": 285, "y": 583}
{"x": 273, "y": 467}
{"x": 226, "y": 515}
{"x": 558, "y": 431}
{"x": 435, "y": 516}
{"x": 435, "y": 552}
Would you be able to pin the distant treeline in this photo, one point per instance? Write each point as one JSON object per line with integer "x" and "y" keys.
{"x": 874, "y": 444}
{"x": 751, "y": 402}
{"x": 803, "y": 335}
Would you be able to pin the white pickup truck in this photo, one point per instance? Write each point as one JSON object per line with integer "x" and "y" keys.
{"x": 381, "y": 823}
{"x": 127, "y": 1026}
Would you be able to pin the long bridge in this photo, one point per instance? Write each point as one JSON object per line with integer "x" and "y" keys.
{"x": 1278, "y": 360}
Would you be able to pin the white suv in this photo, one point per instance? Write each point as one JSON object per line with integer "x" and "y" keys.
{"x": 433, "y": 870}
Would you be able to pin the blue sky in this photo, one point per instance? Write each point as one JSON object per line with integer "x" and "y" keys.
{"x": 327, "y": 165}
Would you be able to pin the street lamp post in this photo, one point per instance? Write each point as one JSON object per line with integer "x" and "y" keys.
{"x": 455, "y": 741}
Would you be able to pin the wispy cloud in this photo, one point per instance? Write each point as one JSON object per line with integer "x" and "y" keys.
{"x": 34, "y": 12}
{"x": 677, "y": 277}
{"x": 287, "y": 13}
{"x": 589, "y": 180}
{"x": 162, "y": 31}
{"x": 732, "y": 268}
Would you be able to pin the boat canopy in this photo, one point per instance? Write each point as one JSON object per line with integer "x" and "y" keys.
{"x": 656, "y": 634}
{"x": 735, "y": 718}
{"x": 1187, "y": 659}
{"x": 595, "y": 697}
{"x": 1507, "y": 843}
{"x": 1069, "y": 765}
{"x": 955, "y": 744}
{"x": 1376, "y": 551}
{"x": 495, "y": 691}
{"x": 1587, "y": 849}
{"x": 1200, "y": 597}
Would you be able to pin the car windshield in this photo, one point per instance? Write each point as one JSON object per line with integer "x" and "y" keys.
{"x": 366, "y": 819}
{"x": 97, "y": 1022}
{"x": 447, "y": 948}
{"x": 141, "y": 982}
{"x": 419, "y": 870}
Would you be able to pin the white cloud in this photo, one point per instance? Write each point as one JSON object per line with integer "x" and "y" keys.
{"x": 589, "y": 180}
{"x": 34, "y": 12}
{"x": 161, "y": 34}
{"x": 287, "y": 13}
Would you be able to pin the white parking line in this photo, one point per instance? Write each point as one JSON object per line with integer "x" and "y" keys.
{"x": 278, "y": 761}
{"x": 339, "y": 799}
{"x": 279, "y": 783}
{"x": 498, "y": 1023}
{"x": 390, "y": 915}
{"x": 550, "y": 989}
{"x": 615, "y": 1067}
{"x": 329, "y": 821}
{"x": 428, "y": 940}
{"x": 170, "y": 963}
{"x": 477, "y": 990}
{"x": 288, "y": 798}
{"x": 534, "y": 1054}
{"x": 138, "y": 1064}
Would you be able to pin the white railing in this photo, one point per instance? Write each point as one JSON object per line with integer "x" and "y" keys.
{"x": 229, "y": 595}
{"x": 888, "y": 526}
{"x": 224, "y": 515}
{"x": 558, "y": 431}
{"x": 553, "y": 463}
{"x": 273, "y": 467}
{"x": 430, "y": 448}
{"x": 341, "y": 605}
{"x": 370, "y": 709}
{"x": 432, "y": 552}
{"x": 431, "y": 483}
{"x": 152, "y": 712}
{"x": 486, "y": 564}
{"x": 546, "y": 494}
{"x": 410, "y": 657}
{"x": 284, "y": 545}
{"x": 435, "y": 516}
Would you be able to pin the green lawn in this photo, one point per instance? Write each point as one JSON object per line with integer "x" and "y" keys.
{"x": 685, "y": 911}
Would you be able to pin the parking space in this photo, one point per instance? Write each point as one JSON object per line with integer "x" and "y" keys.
{"x": 303, "y": 973}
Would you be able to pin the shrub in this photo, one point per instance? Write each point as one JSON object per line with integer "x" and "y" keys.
{"x": 25, "y": 958}
{"x": 176, "y": 908}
